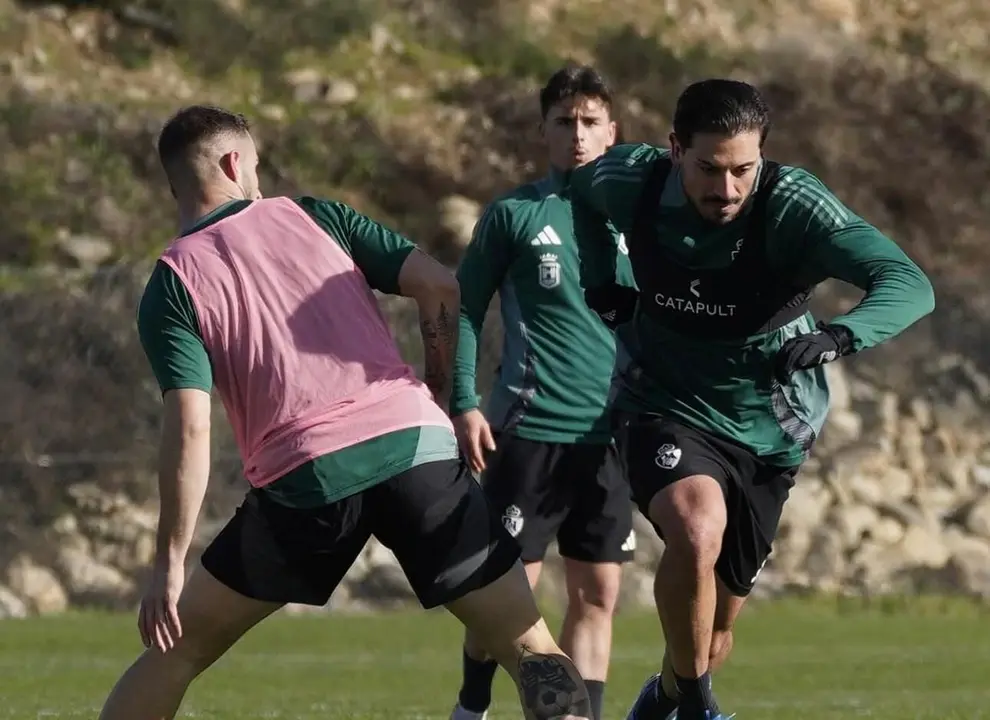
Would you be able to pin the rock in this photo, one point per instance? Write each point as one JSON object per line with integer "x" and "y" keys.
{"x": 981, "y": 476}
{"x": 89, "y": 580}
{"x": 637, "y": 587}
{"x": 923, "y": 546}
{"x": 11, "y": 606}
{"x": 308, "y": 85}
{"x": 649, "y": 546}
{"x": 84, "y": 251}
{"x": 896, "y": 484}
{"x": 970, "y": 567}
{"x": 887, "y": 531}
{"x": 840, "y": 394}
{"x": 854, "y": 522}
{"x": 843, "y": 428}
{"x": 458, "y": 216}
{"x": 790, "y": 550}
{"x": 807, "y": 504}
{"x": 110, "y": 218}
{"x": 37, "y": 586}
{"x": 911, "y": 448}
{"x": 340, "y": 92}
{"x": 978, "y": 518}
{"x": 921, "y": 413}
{"x": 955, "y": 472}
{"x": 383, "y": 40}
{"x": 385, "y": 584}
{"x": 826, "y": 559}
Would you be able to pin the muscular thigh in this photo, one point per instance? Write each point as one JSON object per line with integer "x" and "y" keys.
{"x": 658, "y": 452}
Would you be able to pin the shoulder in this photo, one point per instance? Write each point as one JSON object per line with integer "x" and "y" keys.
{"x": 799, "y": 193}
{"x": 503, "y": 212}
{"x": 632, "y": 154}
{"x": 164, "y": 295}
{"x": 626, "y": 162}
{"x": 323, "y": 207}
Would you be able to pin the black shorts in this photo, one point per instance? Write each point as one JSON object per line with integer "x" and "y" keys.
{"x": 658, "y": 452}
{"x": 574, "y": 492}
{"x": 434, "y": 518}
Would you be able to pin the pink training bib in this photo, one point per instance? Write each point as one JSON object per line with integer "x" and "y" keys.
{"x": 302, "y": 357}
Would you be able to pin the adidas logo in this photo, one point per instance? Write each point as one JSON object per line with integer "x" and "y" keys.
{"x": 630, "y": 544}
{"x": 546, "y": 236}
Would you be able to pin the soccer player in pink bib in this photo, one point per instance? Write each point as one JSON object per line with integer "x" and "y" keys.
{"x": 271, "y": 303}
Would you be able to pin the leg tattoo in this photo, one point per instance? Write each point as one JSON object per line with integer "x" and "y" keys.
{"x": 550, "y": 689}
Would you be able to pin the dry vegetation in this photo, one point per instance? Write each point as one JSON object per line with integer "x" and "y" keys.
{"x": 393, "y": 105}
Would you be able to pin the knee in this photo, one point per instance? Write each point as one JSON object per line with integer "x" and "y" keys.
{"x": 692, "y": 515}
{"x": 196, "y": 651}
{"x": 593, "y": 590}
{"x": 722, "y": 641}
{"x": 474, "y": 647}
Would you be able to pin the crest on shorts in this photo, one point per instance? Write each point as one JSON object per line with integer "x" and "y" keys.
{"x": 512, "y": 518}
{"x": 668, "y": 456}
{"x": 549, "y": 271}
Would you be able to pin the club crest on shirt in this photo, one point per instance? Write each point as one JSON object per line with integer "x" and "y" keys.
{"x": 549, "y": 271}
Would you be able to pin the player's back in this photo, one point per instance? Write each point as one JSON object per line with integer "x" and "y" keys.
{"x": 302, "y": 357}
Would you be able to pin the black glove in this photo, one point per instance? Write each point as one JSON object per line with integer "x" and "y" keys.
{"x": 823, "y": 345}
{"x": 615, "y": 304}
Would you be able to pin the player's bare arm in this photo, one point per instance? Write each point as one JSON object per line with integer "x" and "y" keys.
{"x": 184, "y": 468}
{"x": 437, "y": 293}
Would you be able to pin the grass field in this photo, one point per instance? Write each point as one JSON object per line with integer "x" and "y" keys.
{"x": 794, "y": 659}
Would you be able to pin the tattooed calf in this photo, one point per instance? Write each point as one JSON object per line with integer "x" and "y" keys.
{"x": 549, "y": 690}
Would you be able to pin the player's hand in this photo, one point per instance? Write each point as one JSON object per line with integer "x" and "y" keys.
{"x": 158, "y": 618}
{"x": 825, "y": 344}
{"x": 475, "y": 438}
{"x": 615, "y": 304}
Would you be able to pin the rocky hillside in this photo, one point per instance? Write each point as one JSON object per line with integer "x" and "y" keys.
{"x": 417, "y": 112}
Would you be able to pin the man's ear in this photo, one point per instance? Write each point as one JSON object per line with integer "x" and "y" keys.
{"x": 230, "y": 165}
{"x": 676, "y": 151}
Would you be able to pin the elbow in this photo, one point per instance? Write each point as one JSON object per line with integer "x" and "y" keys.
{"x": 929, "y": 297}
{"x": 195, "y": 429}
{"x": 924, "y": 294}
{"x": 442, "y": 288}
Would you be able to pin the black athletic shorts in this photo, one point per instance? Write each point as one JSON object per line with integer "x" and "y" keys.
{"x": 434, "y": 518}
{"x": 658, "y": 452}
{"x": 574, "y": 492}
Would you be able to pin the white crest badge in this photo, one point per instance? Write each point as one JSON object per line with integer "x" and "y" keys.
{"x": 512, "y": 519}
{"x": 549, "y": 271}
{"x": 668, "y": 456}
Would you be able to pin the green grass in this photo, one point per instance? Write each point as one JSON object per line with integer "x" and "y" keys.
{"x": 796, "y": 659}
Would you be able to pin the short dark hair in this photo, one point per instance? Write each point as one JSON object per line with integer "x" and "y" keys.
{"x": 194, "y": 125}
{"x": 723, "y": 107}
{"x": 574, "y": 80}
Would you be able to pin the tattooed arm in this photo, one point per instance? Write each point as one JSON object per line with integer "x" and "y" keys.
{"x": 437, "y": 293}
{"x": 438, "y": 324}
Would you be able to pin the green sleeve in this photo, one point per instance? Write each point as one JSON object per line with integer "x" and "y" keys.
{"x": 598, "y": 251}
{"x": 485, "y": 262}
{"x": 169, "y": 333}
{"x": 377, "y": 251}
{"x": 818, "y": 236}
{"x": 611, "y": 184}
